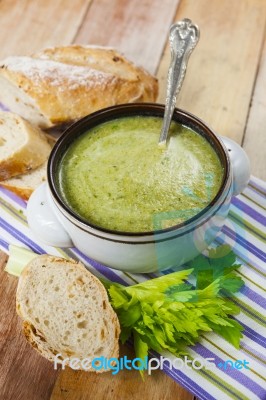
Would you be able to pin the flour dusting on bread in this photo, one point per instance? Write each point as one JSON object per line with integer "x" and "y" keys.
{"x": 66, "y": 76}
{"x": 62, "y": 84}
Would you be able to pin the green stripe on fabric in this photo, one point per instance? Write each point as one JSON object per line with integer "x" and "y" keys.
{"x": 14, "y": 212}
{"x": 250, "y": 312}
{"x": 231, "y": 357}
{"x": 130, "y": 277}
{"x": 252, "y": 355}
{"x": 255, "y": 189}
{"x": 64, "y": 253}
{"x": 253, "y": 201}
{"x": 252, "y": 266}
{"x": 247, "y": 263}
{"x": 22, "y": 219}
{"x": 20, "y": 216}
{"x": 122, "y": 274}
{"x": 225, "y": 387}
{"x": 250, "y": 227}
{"x": 250, "y": 280}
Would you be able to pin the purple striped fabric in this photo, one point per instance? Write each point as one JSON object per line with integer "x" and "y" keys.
{"x": 249, "y": 210}
{"x": 189, "y": 384}
{"x": 219, "y": 384}
{"x": 4, "y": 244}
{"x": 107, "y": 272}
{"x": 254, "y": 335}
{"x": 243, "y": 256}
{"x": 13, "y": 197}
{"x": 258, "y": 186}
{"x": 245, "y": 244}
{"x": 18, "y": 235}
{"x": 255, "y": 352}
{"x": 257, "y": 298}
{"x": 237, "y": 374}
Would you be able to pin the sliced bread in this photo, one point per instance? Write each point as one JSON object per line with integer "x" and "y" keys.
{"x": 66, "y": 311}
{"x": 24, "y": 185}
{"x": 62, "y": 84}
{"x": 22, "y": 146}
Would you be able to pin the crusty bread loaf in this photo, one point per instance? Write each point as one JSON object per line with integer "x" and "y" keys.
{"x": 63, "y": 84}
{"x": 22, "y": 146}
{"x": 65, "y": 310}
{"x": 24, "y": 185}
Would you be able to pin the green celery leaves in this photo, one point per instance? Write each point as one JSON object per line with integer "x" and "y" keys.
{"x": 167, "y": 313}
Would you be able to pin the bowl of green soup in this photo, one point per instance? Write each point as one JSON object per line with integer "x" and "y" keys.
{"x": 130, "y": 204}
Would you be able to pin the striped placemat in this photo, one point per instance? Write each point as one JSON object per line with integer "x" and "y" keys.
{"x": 244, "y": 231}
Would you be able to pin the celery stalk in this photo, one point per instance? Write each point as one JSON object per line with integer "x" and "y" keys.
{"x": 18, "y": 259}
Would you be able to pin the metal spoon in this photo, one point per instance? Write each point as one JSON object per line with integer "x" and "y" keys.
{"x": 183, "y": 37}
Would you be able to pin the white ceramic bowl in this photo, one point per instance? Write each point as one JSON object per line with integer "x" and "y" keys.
{"x": 55, "y": 224}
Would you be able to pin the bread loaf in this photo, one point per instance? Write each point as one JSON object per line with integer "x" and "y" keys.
{"x": 24, "y": 185}
{"x": 23, "y": 147}
{"x": 65, "y": 310}
{"x": 62, "y": 84}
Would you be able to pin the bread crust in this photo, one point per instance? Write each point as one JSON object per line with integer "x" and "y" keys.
{"x": 24, "y": 185}
{"x": 67, "y": 83}
{"x": 24, "y": 193}
{"x": 34, "y": 151}
{"x": 30, "y": 328}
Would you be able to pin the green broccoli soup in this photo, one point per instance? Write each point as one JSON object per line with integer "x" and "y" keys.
{"x": 116, "y": 176}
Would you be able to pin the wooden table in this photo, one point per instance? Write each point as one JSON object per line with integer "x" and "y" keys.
{"x": 225, "y": 85}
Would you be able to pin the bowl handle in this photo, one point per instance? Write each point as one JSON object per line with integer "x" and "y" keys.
{"x": 43, "y": 221}
{"x": 240, "y": 165}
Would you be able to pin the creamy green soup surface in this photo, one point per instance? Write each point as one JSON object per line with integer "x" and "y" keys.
{"x": 116, "y": 176}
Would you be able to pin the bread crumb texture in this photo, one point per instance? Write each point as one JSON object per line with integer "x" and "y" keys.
{"x": 66, "y": 310}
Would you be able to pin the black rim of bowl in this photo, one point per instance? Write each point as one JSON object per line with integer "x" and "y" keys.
{"x": 126, "y": 110}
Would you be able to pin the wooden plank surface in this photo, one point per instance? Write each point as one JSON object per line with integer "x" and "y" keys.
{"x": 222, "y": 70}
{"x": 125, "y": 385}
{"x": 128, "y": 27}
{"x": 29, "y": 25}
{"x": 24, "y": 375}
{"x": 219, "y": 85}
{"x": 138, "y": 28}
{"x": 254, "y": 141}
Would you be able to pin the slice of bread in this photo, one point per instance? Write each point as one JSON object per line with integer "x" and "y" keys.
{"x": 66, "y": 311}
{"x": 62, "y": 84}
{"x": 22, "y": 146}
{"x": 24, "y": 185}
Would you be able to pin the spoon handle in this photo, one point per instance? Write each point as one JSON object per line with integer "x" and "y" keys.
{"x": 183, "y": 37}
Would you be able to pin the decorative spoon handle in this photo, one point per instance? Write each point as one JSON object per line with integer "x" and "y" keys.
{"x": 183, "y": 37}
